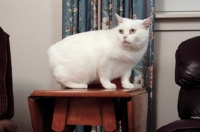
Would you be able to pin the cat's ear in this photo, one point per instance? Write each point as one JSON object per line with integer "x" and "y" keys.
{"x": 119, "y": 19}
{"x": 147, "y": 22}
{"x": 134, "y": 16}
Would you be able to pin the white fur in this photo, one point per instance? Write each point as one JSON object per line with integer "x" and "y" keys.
{"x": 101, "y": 55}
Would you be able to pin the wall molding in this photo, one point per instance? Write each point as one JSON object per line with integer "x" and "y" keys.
{"x": 177, "y": 21}
{"x": 177, "y": 14}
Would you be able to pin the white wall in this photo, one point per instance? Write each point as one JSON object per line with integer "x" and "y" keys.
{"x": 33, "y": 25}
{"x": 177, "y": 5}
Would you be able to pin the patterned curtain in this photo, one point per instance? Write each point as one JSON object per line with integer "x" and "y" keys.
{"x": 86, "y": 15}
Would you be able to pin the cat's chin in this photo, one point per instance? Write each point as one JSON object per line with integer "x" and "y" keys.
{"x": 127, "y": 45}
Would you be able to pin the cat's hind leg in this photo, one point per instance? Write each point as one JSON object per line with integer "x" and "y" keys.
{"x": 70, "y": 84}
{"x": 62, "y": 77}
{"x": 75, "y": 85}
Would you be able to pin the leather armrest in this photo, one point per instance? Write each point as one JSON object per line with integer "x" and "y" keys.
{"x": 7, "y": 125}
{"x": 181, "y": 126}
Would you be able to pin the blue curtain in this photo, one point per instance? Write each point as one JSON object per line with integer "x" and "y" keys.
{"x": 86, "y": 15}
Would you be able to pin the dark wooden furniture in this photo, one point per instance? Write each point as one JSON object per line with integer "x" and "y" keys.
{"x": 6, "y": 85}
{"x": 92, "y": 106}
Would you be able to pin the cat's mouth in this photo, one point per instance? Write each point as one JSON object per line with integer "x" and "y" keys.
{"x": 130, "y": 45}
{"x": 126, "y": 43}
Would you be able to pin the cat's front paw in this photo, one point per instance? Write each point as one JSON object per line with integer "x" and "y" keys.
{"x": 128, "y": 86}
{"x": 110, "y": 86}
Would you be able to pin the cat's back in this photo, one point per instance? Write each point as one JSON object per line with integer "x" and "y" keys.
{"x": 79, "y": 48}
{"x": 86, "y": 41}
{"x": 89, "y": 38}
{"x": 67, "y": 44}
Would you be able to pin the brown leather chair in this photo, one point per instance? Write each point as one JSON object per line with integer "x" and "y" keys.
{"x": 187, "y": 76}
{"x": 6, "y": 90}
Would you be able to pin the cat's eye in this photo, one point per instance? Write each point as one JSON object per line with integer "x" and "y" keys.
{"x": 132, "y": 31}
{"x": 121, "y": 31}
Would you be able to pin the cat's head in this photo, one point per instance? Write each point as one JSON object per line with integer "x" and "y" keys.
{"x": 133, "y": 34}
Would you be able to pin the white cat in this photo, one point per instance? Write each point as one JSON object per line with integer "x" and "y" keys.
{"x": 100, "y": 56}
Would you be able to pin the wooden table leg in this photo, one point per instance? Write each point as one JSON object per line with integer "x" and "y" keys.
{"x": 137, "y": 113}
{"x": 124, "y": 116}
{"x": 108, "y": 115}
{"x": 60, "y": 114}
{"x": 36, "y": 114}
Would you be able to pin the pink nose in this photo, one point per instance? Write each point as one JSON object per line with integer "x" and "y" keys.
{"x": 124, "y": 37}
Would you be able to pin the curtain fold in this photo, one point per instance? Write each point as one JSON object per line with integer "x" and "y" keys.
{"x": 86, "y": 15}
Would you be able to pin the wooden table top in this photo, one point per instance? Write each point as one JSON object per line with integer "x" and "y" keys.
{"x": 90, "y": 92}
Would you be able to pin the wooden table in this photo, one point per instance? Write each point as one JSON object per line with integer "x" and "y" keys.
{"x": 88, "y": 107}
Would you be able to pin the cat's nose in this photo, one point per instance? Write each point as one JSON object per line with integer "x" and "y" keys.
{"x": 124, "y": 37}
